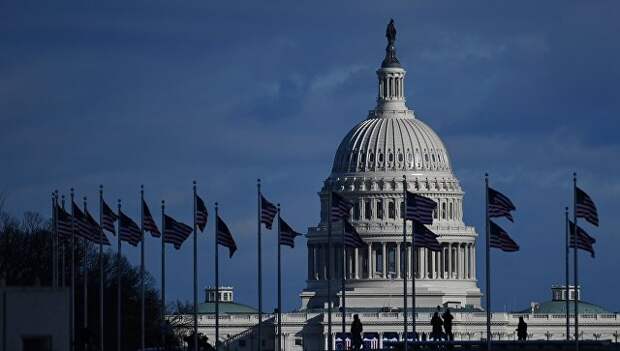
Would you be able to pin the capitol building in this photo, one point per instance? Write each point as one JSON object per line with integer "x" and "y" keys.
{"x": 393, "y": 143}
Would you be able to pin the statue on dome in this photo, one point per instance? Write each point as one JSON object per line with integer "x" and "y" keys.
{"x": 390, "y": 32}
{"x": 390, "y": 51}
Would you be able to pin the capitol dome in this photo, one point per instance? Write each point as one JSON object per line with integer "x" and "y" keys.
{"x": 391, "y": 142}
{"x": 389, "y": 151}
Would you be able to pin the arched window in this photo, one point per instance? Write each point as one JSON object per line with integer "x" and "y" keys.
{"x": 392, "y": 209}
{"x": 450, "y": 210}
{"x": 380, "y": 209}
{"x": 391, "y": 156}
{"x": 400, "y": 157}
{"x": 443, "y": 210}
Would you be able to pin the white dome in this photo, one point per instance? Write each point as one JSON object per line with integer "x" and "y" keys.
{"x": 392, "y": 142}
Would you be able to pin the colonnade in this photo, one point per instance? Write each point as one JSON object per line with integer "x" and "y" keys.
{"x": 456, "y": 260}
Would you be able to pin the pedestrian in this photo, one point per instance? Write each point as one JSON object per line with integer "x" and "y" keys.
{"x": 356, "y": 332}
{"x": 447, "y": 324}
{"x": 436, "y": 324}
{"x": 522, "y": 330}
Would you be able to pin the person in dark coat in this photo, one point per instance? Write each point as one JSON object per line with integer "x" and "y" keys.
{"x": 356, "y": 332}
{"x": 522, "y": 330}
{"x": 447, "y": 324}
{"x": 436, "y": 324}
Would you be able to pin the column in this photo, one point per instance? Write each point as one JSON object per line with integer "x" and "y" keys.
{"x": 433, "y": 265}
{"x": 409, "y": 266}
{"x": 422, "y": 263}
{"x": 467, "y": 257}
{"x": 385, "y": 275}
{"x": 449, "y": 260}
{"x": 473, "y": 261}
{"x": 350, "y": 263}
{"x": 356, "y": 263}
{"x": 371, "y": 266}
{"x": 315, "y": 268}
{"x": 464, "y": 260}
{"x": 397, "y": 260}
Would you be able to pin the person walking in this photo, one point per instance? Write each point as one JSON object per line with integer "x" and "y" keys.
{"x": 447, "y": 324}
{"x": 436, "y": 324}
{"x": 356, "y": 332}
{"x": 522, "y": 330}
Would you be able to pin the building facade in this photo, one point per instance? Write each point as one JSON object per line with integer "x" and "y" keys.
{"x": 390, "y": 149}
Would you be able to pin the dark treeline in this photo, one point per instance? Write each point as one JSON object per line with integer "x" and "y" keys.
{"x": 26, "y": 260}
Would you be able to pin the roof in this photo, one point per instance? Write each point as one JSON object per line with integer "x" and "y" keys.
{"x": 559, "y": 307}
{"x": 225, "y": 307}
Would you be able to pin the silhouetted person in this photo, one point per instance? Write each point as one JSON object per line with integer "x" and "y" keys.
{"x": 447, "y": 324}
{"x": 436, "y": 323}
{"x": 356, "y": 332}
{"x": 522, "y": 330}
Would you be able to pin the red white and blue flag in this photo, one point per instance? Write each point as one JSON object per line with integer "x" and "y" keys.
{"x": 268, "y": 212}
{"x": 585, "y": 207}
{"x": 224, "y": 237}
{"x": 419, "y": 208}
{"x": 175, "y": 232}
{"x": 500, "y": 205}
{"x": 500, "y": 239}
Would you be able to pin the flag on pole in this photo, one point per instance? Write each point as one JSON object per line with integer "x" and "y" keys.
{"x": 340, "y": 207}
{"x": 175, "y": 232}
{"x": 148, "y": 221}
{"x": 128, "y": 230}
{"x": 585, "y": 208}
{"x": 424, "y": 237}
{"x": 84, "y": 229}
{"x": 352, "y": 237}
{"x": 224, "y": 237}
{"x": 201, "y": 214}
{"x": 584, "y": 241}
{"x": 500, "y": 205}
{"x": 268, "y": 212}
{"x": 419, "y": 208}
{"x": 500, "y": 239}
{"x": 287, "y": 234}
{"x": 63, "y": 222}
{"x": 108, "y": 218}
{"x": 98, "y": 234}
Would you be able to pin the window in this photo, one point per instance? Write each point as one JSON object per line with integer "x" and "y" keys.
{"x": 379, "y": 260}
{"x": 400, "y": 157}
{"x": 380, "y": 209}
{"x": 392, "y": 209}
{"x": 380, "y": 157}
{"x": 368, "y": 209}
{"x": 443, "y": 210}
{"x": 356, "y": 210}
{"x": 450, "y": 212}
{"x": 391, "y": 259}
{"x": 402, "y": 209}
{"x": 391, "y": 157}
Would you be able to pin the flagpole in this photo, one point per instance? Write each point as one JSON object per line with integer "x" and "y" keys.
{"x": 195, "y": 277}
{"x": 163, "y": 275}
{"x": 101, "y": 268}
{"x": 575, "y": 261}
{"x": 330, "y": 345}
{"x": 85, "y": 278}
{"x": 57, "y": 242}
{"x": 405, "y": 346}
{"x": 54, "y": 241}
{"x": 279, "y": 286}
{"x": 142, "y": 317}
{"x": 414, "y": 257}
{"x": 118, "y": 281}
{"x": 217, "y": 283}
{"x": 344, "y": 289}
{"x": 260, "y": 276}
{"x": 72, "y": 331}
{"x": 488, "y": 261}
{"x": 567, "y": 290}
{"x": 63, "y": 262}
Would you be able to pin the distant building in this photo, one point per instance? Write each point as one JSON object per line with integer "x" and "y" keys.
{"x": 34, "y": 319}
{"x": 368, "y": 170}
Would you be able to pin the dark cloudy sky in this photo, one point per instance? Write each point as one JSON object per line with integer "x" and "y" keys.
{"x": 164, "y": 92}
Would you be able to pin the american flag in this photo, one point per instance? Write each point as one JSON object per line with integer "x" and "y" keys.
{"x": 98, "y": 236}
{"x": 340, "y": 207}
{"x": 84, "y": 229}
{"x": 108, "y": 217}
{"x": 585, "y": 207}
{"x": 63, "y": 222}
{"x": 352, "y": 237}
{"x": 424, "y": 237}
{"x": 224, "y": 237}
{"x": 500, "y": 205}
{"x": 268, "y": 212}
{"x": 420, "y": 208}
{"x": 287, "y": 234}
{"x": 201, "y": 214}
{"x": 500, "y": 239}
{"x": 175, "y": 232}
{"x": 128, "y": 230}
{"x": 147, "y": 221}
{"x": 584, "y": 241}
